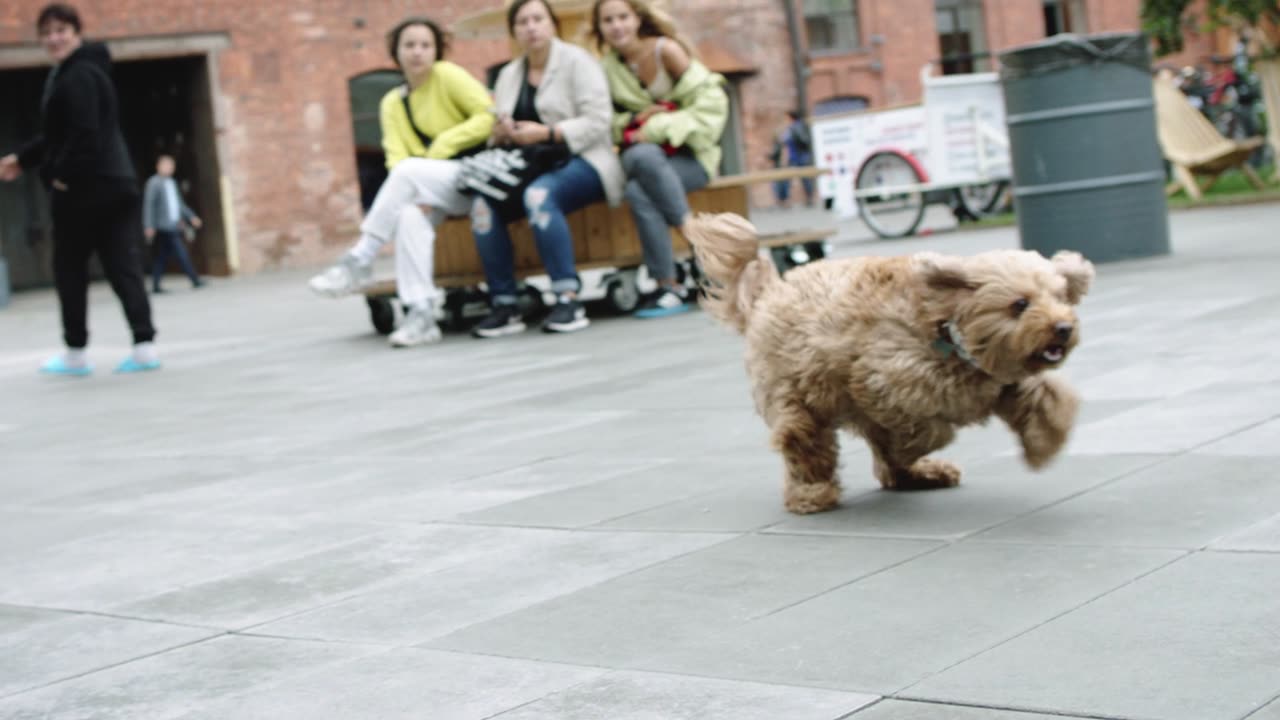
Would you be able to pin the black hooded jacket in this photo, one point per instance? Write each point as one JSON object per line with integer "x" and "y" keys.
{"x": 82, "y": 145}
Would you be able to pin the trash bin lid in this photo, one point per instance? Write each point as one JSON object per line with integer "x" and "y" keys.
{"x": 1068, "y": 50}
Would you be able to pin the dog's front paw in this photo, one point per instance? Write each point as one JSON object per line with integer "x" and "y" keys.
{"x": 1046, "y": 413}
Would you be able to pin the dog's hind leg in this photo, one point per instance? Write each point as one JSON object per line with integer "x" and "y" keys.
{"x": 1040, "y": 410}
{"x": 900, "y": 462}
{"x": 810, "y": 451}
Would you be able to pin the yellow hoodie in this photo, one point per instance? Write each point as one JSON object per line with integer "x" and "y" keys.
{"x": 451, "y": 107}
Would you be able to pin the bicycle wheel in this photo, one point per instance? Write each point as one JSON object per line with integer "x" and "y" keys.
{"x": 979, "y": 201}
{"x": 892, "y": 213}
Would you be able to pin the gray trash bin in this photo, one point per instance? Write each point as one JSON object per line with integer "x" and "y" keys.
{"x": 4, "y": 283}
{"x": 1087, "y": 169}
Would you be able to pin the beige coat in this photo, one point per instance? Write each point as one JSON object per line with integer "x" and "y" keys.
{"x": 574, "y": 96}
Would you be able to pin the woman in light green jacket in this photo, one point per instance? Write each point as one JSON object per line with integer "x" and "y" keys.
{"x": 669, "y": 113}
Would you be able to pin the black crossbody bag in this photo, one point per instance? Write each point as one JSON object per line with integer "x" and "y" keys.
{"x": 426, "y": 139}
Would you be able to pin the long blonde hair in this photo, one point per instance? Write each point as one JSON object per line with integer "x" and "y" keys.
{"x": 654, "y": 22}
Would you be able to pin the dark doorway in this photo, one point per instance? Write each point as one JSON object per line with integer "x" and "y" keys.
{"x": 366, "y": 92}
{"x": 165, "y": 106}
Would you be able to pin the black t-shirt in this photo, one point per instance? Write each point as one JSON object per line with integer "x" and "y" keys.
{"x": 525, "y": 109}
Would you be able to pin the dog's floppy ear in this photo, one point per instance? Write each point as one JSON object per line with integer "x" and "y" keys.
{"x": 943, "y": 272}
{"x": 1078, "y": 272}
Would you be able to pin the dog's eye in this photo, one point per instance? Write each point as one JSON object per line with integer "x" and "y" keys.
{"x": 1020, "y": 306}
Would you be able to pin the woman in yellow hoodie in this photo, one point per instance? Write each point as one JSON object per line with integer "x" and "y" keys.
{"x": 669, "y": 113}
{"x": 439, "y": 113}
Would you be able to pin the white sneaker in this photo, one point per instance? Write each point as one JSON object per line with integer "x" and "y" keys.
{"x": 347, "y": 276}
{"x": 419, "y": 328}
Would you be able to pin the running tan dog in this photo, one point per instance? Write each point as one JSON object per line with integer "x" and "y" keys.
{"x": 899, "y": 350}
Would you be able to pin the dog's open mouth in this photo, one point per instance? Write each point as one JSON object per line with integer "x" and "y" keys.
{"x": 1052, "y": 355}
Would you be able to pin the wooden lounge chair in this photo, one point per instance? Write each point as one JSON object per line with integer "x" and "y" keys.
{"x": 1194, "y": 147}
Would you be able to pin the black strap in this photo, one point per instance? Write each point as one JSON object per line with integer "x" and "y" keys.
{"x": 404, "y": 98}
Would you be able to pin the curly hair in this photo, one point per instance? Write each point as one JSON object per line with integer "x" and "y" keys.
{"x": 438, "y": 34}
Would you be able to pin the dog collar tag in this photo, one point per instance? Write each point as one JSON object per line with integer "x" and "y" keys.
{"x": 949, "y": 342}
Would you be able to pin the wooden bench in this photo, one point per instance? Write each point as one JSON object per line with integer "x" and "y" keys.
{"x": 603, "y": 237}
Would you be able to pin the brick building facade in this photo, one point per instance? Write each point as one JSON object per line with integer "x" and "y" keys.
{"x": 255, "y": 97}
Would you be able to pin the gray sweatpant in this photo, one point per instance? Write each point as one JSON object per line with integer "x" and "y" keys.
{"x": 656, "y": 187}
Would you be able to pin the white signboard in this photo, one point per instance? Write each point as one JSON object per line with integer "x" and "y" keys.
{"x": 966, "y": 114}
{"x": 841, "y": 143}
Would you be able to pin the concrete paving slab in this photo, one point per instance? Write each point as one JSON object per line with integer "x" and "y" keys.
{"x": 895, "y": 628}
{"x": 174, "y": 683}
{"x": 1184, "y": 502}
{"x": 329, "y": 575}
{"x": 72, "y": 644}
{"x": 648, "y": 696}
{"x": 990, "y": 493}
{"x": 900, "y": 710}
{"x": 681, "y": 605}
{"x": 404, "y": 684}
{"x": 610, "y": 497}
{"x": 152, "y": 554}
{"x": 1262, "y": 537}
{"x": 1171, "y": 651}
{"x": 546, "y": 565}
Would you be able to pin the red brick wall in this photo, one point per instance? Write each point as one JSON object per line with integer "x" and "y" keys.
{"x": 287, "y": 134}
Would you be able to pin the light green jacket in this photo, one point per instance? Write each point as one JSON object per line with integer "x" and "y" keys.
{"x": 698, "y": 124}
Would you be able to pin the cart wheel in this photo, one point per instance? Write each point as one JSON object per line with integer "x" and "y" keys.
{"x": 816, "y": 249}
{"x": 382, "y": 313}
{"x": 979, "y": 201}
{"x": 621, "y": 292}
{"x": 896, "y": 213}
{"x": 454, "y": 319}
{"x": 531, "y": 302}
{"x": 782, "y": 259}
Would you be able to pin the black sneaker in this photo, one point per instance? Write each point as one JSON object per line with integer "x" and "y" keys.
{"x": 501, "y": 320}
{"x": 666, "y": 301}
{"x": 566, "y": 316}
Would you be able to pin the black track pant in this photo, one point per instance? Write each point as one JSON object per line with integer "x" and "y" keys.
{"x": 107, "y": 221}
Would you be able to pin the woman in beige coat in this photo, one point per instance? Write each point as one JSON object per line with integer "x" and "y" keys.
{"x": 553, "y": 93}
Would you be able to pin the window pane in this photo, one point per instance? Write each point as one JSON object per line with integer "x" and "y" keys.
{"x": 831, "y": 24}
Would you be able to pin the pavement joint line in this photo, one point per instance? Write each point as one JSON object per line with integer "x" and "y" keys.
{"x": 1262, "y": 707}
{"x": 109, "y": 666}
{"x": 1013, "y": 709}
{"x": 916, "y": 556}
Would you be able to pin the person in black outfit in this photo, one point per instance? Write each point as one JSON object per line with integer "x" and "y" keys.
{"x": 96, "y": 205}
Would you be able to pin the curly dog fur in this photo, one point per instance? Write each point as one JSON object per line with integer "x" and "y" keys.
{"x": 899, "y": 350}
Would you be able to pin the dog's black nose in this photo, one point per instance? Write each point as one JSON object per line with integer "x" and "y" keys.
{"x": 1063, "y": 330}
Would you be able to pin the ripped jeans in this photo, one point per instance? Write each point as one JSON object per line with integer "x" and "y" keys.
{"x": 547, "y": 201}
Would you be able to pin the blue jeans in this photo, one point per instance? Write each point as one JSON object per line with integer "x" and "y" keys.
{"x": 170, "y": 242}
{"x": 547, "y": 201}
{"x": 656, "y": 188}
{"x": 784, "y": 187}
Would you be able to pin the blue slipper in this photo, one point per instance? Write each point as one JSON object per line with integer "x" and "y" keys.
{"x": 658, "y": 311}
{"x": 57, "y": 365}
{"x": 129, "y": 365}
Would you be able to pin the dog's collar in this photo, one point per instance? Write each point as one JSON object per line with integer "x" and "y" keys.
{"x": 950, "y": 342}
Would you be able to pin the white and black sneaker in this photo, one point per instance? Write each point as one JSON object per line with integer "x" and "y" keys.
{"x": 566, "y": 316}
{"x": 667, "y": 301}
{"x": 501, "y": 320}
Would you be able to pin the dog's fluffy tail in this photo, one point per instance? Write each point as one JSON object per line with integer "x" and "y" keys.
{"x": 735, "y": 270}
